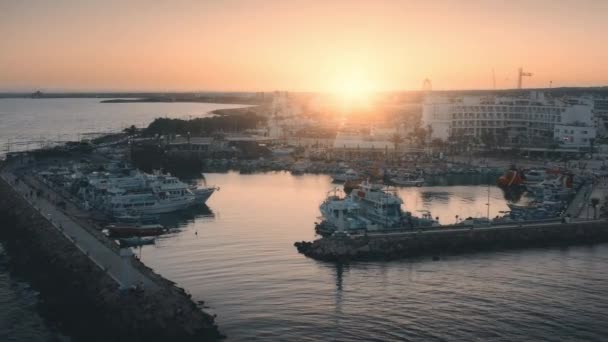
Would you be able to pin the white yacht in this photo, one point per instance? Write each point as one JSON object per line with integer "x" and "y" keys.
{"x": 347, "y": 175}
{"x": 149, "y": 202}
{"x": 379, "y": 204}
{"x": 141, "y": 193}
{"x": 342, "y": 213}
{"x": 368, "y": 208}
{"x": 408, "y": 181}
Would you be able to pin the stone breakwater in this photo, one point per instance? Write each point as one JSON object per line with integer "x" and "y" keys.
{"x": 445, "y": 242}
{"x": 83, "y": 299}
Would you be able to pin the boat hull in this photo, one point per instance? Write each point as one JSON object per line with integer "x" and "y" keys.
{"x": 128, "y": 231}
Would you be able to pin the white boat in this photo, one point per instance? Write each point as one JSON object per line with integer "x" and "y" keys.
{"x": 141, "y": 193}
{"x": 534, "y": 176}
{"x": 136, "y": 241}
{"x": 300, "y": 167}
{"x": 203, "y": 194}
{"x": 368, "y": 208}
{"x": 347, "y": 175}
{"x": 149, "y": 202}
{"x": 341, "y": 213}
{"x": 408, "y": 181}
{"x": 556, "y": 188}
{"x": 379, "y": 204}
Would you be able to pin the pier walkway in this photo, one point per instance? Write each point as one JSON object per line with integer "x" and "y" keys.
{"x": 599, "y": 191}
{"x": 505, "y": 226}
{"x": 116, "y": 262}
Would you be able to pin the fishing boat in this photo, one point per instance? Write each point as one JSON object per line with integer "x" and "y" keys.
{"x": 347, "y": 175}
{"x": 136, "y": 241}
{"x": 534, "y": 176}
{"x": 407, "y": 181}
{"x": 511, "y": 178}
{"x": 340, "y": 212}
{"x": 368, "y": 208}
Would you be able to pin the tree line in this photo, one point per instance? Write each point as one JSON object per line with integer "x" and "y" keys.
{"x": 204, "y": 126}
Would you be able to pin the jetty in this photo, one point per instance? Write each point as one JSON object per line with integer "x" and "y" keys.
{"x": 98, "y": 290}
{"x": 440, "y": 242}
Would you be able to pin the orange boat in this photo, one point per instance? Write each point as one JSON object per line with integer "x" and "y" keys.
{"x": 512, "y": 177}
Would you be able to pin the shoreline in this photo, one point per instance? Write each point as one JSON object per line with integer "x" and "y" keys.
{"x": 82, "y": 295}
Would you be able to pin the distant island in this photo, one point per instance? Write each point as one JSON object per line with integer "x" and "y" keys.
{"x": 251, "y": 99}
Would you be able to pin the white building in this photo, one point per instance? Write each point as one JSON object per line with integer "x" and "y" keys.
{"x": 527, "y": 121}
{"x": 437, "y": 113}
{"x": 355, "y": 141}
{"x": 574, "y": 136}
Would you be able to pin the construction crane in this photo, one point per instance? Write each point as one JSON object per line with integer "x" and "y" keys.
{"x": 520, "y": 77}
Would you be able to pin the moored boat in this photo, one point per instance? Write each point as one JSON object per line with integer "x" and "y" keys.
{"x": 408, "y": 181}
{"x": 368, "y": 208}
{"x": 136, "y": 241}
{"x": 511, "y": 178}
{"x": 128, "y": 230}
{"x": 345, "y": 176}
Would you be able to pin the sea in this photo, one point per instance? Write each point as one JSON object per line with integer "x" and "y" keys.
{"x": 236, "y": 254}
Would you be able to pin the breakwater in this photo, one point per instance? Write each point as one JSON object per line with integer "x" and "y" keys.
{"x": 440, "y": 242}
{"x": 82, "y": 297}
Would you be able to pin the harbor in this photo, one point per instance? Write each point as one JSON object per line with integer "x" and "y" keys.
{"x": 193, "y": 217}
{"x": 110, "y": 280}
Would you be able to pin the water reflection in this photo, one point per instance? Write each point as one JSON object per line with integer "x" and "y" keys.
{"x": 186, "y": 217}
{"x": 243, "y": 264}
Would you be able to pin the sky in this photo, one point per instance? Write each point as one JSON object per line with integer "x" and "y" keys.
{"x": 264, "y": 45}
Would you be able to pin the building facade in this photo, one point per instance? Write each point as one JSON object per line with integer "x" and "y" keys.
{"x": 510, "y": 121}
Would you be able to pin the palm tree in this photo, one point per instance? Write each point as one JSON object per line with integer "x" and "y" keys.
{"x": 396, "y": 140}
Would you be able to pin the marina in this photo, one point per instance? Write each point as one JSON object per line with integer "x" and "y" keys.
{"x": 188, "y": 230}
{"x": 246, "y": 170}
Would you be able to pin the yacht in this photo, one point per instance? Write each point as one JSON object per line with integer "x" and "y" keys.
{"x": 408, "y": 181}
{"x": 345, "y": 176}
{"x": 340, "y": 212}
{"x": 123, "y": 202}
{"x": 369, "y": 207}
{"x": 138, "y": 193}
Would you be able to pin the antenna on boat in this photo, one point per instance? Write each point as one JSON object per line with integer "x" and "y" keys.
{"x": 489, "y": 203}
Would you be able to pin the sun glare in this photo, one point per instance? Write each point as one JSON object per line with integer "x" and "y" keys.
{"x": 352, "y": 90}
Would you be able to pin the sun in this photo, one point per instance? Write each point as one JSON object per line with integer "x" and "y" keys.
{"x": 352, "y": 89}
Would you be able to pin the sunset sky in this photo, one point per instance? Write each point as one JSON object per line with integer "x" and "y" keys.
{"x": 310, "y": 45}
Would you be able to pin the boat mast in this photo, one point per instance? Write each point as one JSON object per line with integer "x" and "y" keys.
{"x": 489, "y": 203}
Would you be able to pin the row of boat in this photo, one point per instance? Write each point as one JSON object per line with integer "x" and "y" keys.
{"x": 402, "y": 179}
{"x": 131, "y": 198}
{"x": 548, "y": 191}
{"x": 132, "y": 191}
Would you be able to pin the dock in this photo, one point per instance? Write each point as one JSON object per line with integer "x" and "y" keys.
{"x": 447, "y": 241}
{"x": 101, "y": 292}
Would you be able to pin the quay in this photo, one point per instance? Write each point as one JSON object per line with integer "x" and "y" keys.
{"x": 99, "y": 291}
{"x": 446, "y": 241}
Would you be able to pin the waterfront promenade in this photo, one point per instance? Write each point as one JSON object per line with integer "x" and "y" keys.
{"x": 113, "y": 260}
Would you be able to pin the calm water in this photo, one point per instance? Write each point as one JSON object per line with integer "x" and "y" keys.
{"x": 19, "y": 320}
{"x": 238, "y": 257}
{"x": 67, "y": 119}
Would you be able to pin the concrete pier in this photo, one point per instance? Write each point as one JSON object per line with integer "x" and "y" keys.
{"x": 96, "y": 290}
{"x": 447, "y": 241}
